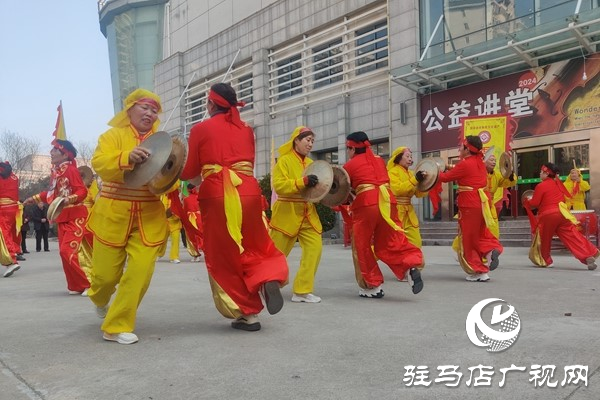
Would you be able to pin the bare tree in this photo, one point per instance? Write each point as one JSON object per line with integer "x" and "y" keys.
{"x": 18, "y": 151}
{"x": 85, "y": 151}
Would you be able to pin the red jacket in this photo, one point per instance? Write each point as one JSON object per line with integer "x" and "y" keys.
{"x": 361, "y": 171}
{"x": 469, "y": 172}
{"x": 216, "y": 141}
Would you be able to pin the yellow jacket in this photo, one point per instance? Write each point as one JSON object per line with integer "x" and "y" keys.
{"x": 118, "y": 207}
{"x": 495, "y": 182}
{"x": 404, "y": 186}
{"x": 291, "y": 209}
{"x": 577, "y": 202}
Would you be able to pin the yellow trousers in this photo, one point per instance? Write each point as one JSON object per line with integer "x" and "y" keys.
{"x": 312, "y": 247}
{"x": 133, "y": 281}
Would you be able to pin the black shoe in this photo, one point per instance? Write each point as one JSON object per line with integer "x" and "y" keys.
{"x": 20, "y": 257}
{"x": 38, "y": 251}
{"x": 25, "y": 252}
{"x": 273, "y": 298}
{"x": 46, "y": 250}
{"x": 415, "y": 281}
{"x": 494, "y": 260}
{"x": 246, "y": 323}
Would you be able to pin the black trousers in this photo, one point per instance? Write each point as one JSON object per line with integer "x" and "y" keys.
{"x": 39, "y": 235}
{"x": 23, "y": 241}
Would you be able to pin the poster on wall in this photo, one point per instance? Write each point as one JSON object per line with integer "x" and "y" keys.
{"x": 493, "y": 131}
{"x": 559, "y": 97}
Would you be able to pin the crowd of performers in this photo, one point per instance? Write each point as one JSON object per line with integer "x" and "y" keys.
{"x": 111, "y": 235}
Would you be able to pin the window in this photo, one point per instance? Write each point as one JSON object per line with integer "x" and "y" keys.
{"x": 244, "y": 91}
{"x": 196, "y": 108}
{"x": 578, "y": 154}
{"x": 381, "y": 149}
{"x": 327, "y": 63}
{"x": 289, "y": 77}
{"x": 371, "y": 48}
{"x": 330, "y": 156}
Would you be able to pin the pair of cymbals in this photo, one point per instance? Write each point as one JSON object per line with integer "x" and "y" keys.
{"x": 163, "y": 166}
{"x": 431, "y": 168}
{"x": 55, "y": 207}
{"x": 323, "y": 171}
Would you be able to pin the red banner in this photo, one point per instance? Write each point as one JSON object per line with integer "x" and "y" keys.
{"x": 556, "y": 98}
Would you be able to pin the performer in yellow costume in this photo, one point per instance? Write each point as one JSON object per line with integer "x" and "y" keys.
{"x": 404, "y": 186}
{"x": 577, "y": 188}
{"x": 87, "y": 244}
{"x": 293, "y": 218}
{"x": 496, "y": 184}
{"x": 128, "y": 224}
{"x": 174, "y": 226}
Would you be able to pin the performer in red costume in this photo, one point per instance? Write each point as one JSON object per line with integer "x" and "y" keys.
{"x": 66, "y": 182}
{"x": 474, "y": 212}
{"x": 240, "y": 256}
{"x": 553, "y": 218}
{"x": 9, "y": 208}
{"x": 375, "y": 221}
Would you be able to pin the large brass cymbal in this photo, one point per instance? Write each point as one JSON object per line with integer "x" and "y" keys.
{"x": 159, "y": 145}
{"x": 56, "y": 207}
{"x": 324, "y": 172}
{"x": 506, "y": 166}
{"x": 340, "y": 188}
{"x": 169, "y": 173}
{"x": 87, "y": 175}
{"x": 440, "y": 163}
{"x": 432, "y": 170}
{"x": 528, "y": 194}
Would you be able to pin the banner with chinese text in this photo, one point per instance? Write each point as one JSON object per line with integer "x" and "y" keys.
{"x": 559, "y": 97}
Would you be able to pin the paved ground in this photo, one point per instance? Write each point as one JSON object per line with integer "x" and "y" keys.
{"x": 346, "y": 347}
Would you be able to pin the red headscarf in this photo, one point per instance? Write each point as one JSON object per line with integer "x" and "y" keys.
{"x": 232, "y": 115}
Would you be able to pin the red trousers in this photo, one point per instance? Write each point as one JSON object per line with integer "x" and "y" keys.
{"x": 9, "y": 231}
{"x": 70, "y": 235}
{"x": 555, "y": 224}
{"x": 477, "y": 240}
{"x": 389, "y": 245}
{"x": 240, "y": 275}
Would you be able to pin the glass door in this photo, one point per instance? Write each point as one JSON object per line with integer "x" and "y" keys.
{"x": 529, "y": 162}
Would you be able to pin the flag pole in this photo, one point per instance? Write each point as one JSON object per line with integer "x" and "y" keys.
{"x": 178, "y": 101}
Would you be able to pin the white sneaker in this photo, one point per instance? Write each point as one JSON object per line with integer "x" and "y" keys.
{"x": 121, "y": 338}
{"x": 101, "y": 311}
{"x": 374, "y": 293}
{"x": 305, "y": 298}
{"x": 196, "y": 259}
{"x": 75, "y": 292}
{"x": 84, "y": 293}
{"x": 175, "y": 261}
{"x": 478, "y": 278}
{"x": 11, "y": 270}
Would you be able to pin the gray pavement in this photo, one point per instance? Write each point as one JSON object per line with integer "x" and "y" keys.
{"x": 346, "y": 347}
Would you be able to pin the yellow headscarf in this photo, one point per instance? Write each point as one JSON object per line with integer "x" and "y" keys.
{"x": 121, "y": 119}
{"x": 289, "y": 145}
{"x": 398, "y": 151}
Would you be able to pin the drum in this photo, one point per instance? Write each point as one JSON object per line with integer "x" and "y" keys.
{"x": 588, "y": 222}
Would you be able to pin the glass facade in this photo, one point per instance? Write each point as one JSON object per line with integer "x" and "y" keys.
{"x": 135, "y": 45}
{"x": 469, "y": 22}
